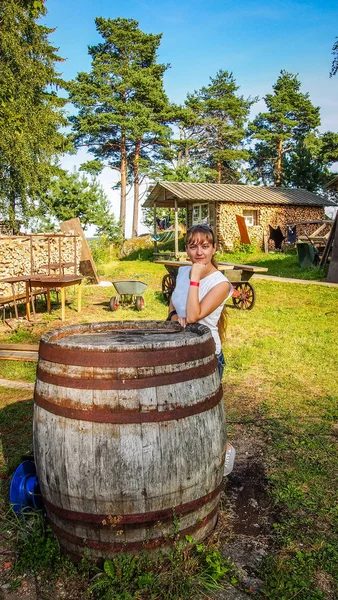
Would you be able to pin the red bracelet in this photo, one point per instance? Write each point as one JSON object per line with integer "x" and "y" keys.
{"x": 196, "y": 283}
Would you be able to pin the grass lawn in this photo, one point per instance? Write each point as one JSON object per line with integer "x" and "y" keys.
{"x": 280, "y": 384}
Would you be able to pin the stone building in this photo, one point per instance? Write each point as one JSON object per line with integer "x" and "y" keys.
{"x": 218, "y": 204}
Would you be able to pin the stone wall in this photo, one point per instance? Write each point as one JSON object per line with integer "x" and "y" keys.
{"x": 227, "y": 228}
{"x": 28, "y": 254}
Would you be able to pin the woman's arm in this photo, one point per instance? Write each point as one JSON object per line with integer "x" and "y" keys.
{"x": 174, "y": 317}
{"x": 197, "y": 310}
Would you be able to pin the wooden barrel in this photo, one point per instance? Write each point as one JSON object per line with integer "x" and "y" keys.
{"x": 129, "y": 435}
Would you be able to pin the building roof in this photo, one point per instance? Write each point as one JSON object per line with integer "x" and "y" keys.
{"x": 165, "y": 192}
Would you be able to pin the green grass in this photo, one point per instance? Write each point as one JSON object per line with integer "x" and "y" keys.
{"x": 280, "y": 264}
{"x": 17, "y": 370}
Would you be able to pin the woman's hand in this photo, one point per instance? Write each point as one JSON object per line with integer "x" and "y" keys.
{"x": 182, "y": 321}
{"x": 198, "y": 271}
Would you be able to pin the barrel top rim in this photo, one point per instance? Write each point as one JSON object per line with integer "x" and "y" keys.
{"x": 53, "y": 337}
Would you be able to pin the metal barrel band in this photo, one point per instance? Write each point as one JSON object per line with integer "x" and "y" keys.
{"x": 97, "y": 415}
{"x": 127, "y": 384}
{"x": 129, "y": 519}
{"x": 130, "y": 546}
{"x": 129, "y": 358}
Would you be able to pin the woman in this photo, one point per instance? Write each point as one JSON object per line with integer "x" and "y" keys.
{"x": 201, "y": 290}
{"x": 199, "y": 297}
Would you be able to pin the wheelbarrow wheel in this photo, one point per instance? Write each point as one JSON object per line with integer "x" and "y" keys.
{"x": 139, "y": 303}
{"x": 244, "y": 296}
{"x": 168, "y": 286}
{"x": 114, "y": 303}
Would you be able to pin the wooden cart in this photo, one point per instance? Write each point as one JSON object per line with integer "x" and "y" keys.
{"x": 244, "y": 294}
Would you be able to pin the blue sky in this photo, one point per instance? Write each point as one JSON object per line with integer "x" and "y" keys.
{"x": 254, "y": 40}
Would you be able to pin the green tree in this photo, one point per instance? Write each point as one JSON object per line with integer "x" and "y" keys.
{"x": 289, "y": 119}
{"x": 216, "y": 116}
{"x": 73, "y": 195}
{"x": 30, "y": 109}
{"x": 121, "y": 103}
{"x": 304, "y": 168}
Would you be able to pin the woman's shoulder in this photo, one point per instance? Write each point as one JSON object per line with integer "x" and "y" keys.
{"x": 219, "y": 277}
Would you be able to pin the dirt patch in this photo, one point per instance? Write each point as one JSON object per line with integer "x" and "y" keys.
{"x": 245, "y": 525}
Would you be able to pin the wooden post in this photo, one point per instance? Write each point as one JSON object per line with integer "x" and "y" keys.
{"x": 75, "y": 259}
{"x": 176, "y": 229}
{"x": 60, "y": 261}
{"x": 79, "y": 292}
{"x": 48, "y": 301}
{"x": 28, "y": 312}
{"x": 48, "y": 255}
{"x": 155, "y": 242}
{"x": 63, "y": 303}
{"x": 31, "y": 253}
{"x": 332, "y": 275}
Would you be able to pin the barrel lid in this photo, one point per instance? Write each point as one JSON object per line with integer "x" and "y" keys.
{"x": 127, "y": 335}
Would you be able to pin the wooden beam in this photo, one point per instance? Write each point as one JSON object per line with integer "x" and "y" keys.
{"x": 176, "y": 228}
{"x": 332, "y": 275}
{"x": 155, "y": 242}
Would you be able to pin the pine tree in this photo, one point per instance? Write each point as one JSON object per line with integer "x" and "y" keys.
{"x": 121, "y": 102}
{"x": 289, "y": 119}
{"x": 30, "y": 109}
{"x": 218, "y": 115}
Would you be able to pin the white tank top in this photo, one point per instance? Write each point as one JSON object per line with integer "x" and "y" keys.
{"x": 180, "y": 295}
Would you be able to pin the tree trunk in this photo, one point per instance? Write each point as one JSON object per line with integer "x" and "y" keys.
{"x": 278, "y": 177}
{"x": 136, "y": 188}
{"x": 219, "y": 163}
{"x": 179, "y": 153}
{"x": 123, "y": 183}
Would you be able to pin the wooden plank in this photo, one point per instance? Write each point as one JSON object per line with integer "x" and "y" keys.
{"x": 87, "y": 265}
{"x": 18, "y": 355}
{"x": 20, "y": 347}
{"x": 186, "y": 263}
{"x": 332, "y": 275}
{"x": 329, "y": 243}
{"x": 243, "y": 231}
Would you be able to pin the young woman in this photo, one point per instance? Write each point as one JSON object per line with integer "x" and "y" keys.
{"x": 201, "y": 290}
{"x": 199, "y": 297}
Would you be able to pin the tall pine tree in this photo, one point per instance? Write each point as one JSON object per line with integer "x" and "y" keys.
{"x": 121, "y": 102}
{"x": 218, "y": 115}
{"x": 290, "y": 117}
{"x": 30, "y": 109}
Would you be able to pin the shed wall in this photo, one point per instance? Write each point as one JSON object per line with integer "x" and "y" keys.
{"x": 227, "y": 229}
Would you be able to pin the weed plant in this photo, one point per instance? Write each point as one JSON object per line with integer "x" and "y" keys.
{"x": 182, "y": 573}
{"x": 179, "y": 574}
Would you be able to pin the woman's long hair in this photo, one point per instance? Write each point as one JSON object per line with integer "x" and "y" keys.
{"x": 206, "y": 233}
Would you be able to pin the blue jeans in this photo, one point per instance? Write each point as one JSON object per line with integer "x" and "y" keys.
{"x": 221, "y": 364}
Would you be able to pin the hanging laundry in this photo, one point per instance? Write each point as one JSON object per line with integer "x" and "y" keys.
{"x": 291, "y": 234}
{"x": 276, "y": 235}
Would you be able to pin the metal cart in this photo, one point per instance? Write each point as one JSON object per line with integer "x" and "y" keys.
{"x": 129, "y": 291}
{"x": 244, "y": 294}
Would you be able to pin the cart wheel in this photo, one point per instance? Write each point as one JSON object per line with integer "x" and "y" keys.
{"x": 114, "y": 303}
{"x": 139, "y": 303}
{"x": 168, "y": 286}
{"x": 244, "y": 296}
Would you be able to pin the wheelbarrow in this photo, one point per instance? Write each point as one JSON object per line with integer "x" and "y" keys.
{"x": 243, "y": 296}
{"x": 129, "y": 291}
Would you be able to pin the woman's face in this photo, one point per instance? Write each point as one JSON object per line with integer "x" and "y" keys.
{"x": 200, "y": 250}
